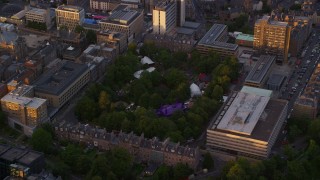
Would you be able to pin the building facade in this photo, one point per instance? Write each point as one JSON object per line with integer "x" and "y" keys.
{"x": 39, "y": 16}
{"x": 61, "y": 82}
{"x": 215, "y": 40}
{"x": 10, "y": 157}
{"x": 164, "y": 17}
{"x": 69, "y": 17}
{"x": 272, "y": 37}
{"x": 24, "y": 111}
{"x": 142, "y": 149}
{"x": 124, "y": 20}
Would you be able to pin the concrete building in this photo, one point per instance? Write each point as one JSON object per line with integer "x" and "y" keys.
{"x": 40, "y": 16}
{"x": 281, "y": 35}
{"x": 215, "y": 40}
{"x": 260, "y": 72}
{"x": 307, "y": 104}
{"x": 142, "y": 149}
{"x": 164, "y": 16}
{"x": 272, "y": 37}
{"x": 247, "y": 125}
{"x": 24, "y": 111}
{"x": 275, "y": 82}
{"x": 61, "y": 82}
{"x": 110, "y": 5}
{"x": 245, "y": 40}
{"x": 181, "y": 12}
{"x": 124, "y": 20}
{"x": 69, "y": 17}
{"x": 32, "y": 161}
{"x": 113, "y": 40}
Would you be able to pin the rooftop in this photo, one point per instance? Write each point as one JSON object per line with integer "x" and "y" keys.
{"x": 262, "y": 114}
{"x": 260, "y": 70}
{"x": 36, "y": 11}
{"x": 13, "y": 154}
{"x": 245, "y": 37}
{"x": 59, "y": 77}
{"x": 70, "y": 8}
{"x": 243, "y": 114}
{"x": 256, "y": 91}
{"x": 122, "y": 15}
{"x": 185, "y": 31}
{"x": 211, "y": 38}
{"x": 190, "y": 24}
{"x": 276, "y": 79}
{"x": 29, "y": 157}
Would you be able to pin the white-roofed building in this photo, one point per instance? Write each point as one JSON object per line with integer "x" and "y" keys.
{"x": 248, "y": 124}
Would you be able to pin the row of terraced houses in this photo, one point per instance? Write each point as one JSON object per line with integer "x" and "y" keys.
{"x": 142, "y": 149}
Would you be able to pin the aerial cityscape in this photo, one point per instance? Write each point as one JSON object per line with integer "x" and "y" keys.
{"x": 159, "y": 89}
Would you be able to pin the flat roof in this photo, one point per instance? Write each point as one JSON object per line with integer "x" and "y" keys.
{"x": 260, "y": 70}
{"x": 210, "y": 38}
{"x": 59, "y": 77}
{"x": 256, "y": 91}
{"x": 265, "y": 123}
{"x": 122, "y": 15}
{"x": 190, "y": 24}
{"x": 185, "y": 31}
{"x": 29, "y": 157}
{"x": 70, "y": 8}
{"x": 37, "y": 11}
{"x": 243, "y": 114}
{"x": 276, "y": 79}
{"x": 13, "y": 154}
{"x": 245, "y": 37}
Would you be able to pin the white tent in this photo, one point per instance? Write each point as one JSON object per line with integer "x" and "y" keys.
{"x": 195, "y": 90}
{"x": 138, "y": 74}
{"x": 146, "y": 60}
{"x": 151, "y": 69}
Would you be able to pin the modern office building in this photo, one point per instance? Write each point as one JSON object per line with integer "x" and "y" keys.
{"x": 164, "y": 17}
{"x": 307, "y": 105}
{"x": 181, "y": 12}
{"x": 61, "y": 82}
{"x": 215, "y": 40}
{"x": 260, "y": 72}
{"x": 69, "y": 16}
{"x": 24, "y": 111}
{"x": 124, "y": 20}
{"x": 281, "y": 35}
{"x": 248, "y": 124}
{"x": 40, "y": 16}
{"x": 24, "y": 162}
{"x": 272, "y": 37}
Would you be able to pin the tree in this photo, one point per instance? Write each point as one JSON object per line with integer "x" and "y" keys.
{"x": 314, "y": 130}
{"x": 294, "y": 132}
{"x": 181, "y": 171}
{"x": 41, "y": 140}
{"x": 91, "y": 36}
{"x": 132, "y": 48}
{"x": 295, "y": 7}
{"x": 163, "y": 173}
{"x": 208, "y": 161}
{"x": 174, "y": 77}
{"x": 104, "y": 101}
{"x": 86, "y": 109}
{"x": 236, "y": 172}
{"x": 217, "y": 93}
{"x": 79, "y": 29}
